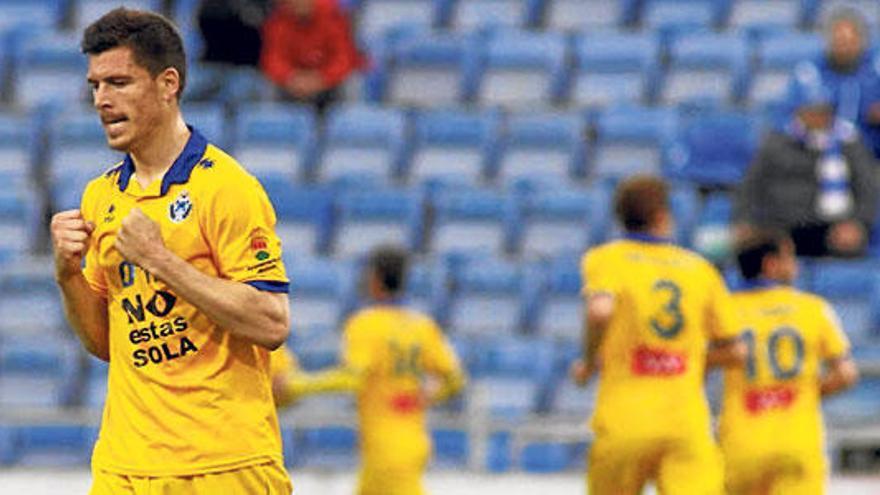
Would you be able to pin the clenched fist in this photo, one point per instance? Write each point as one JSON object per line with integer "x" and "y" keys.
{"x": 139, "y": 239}
{"x": 71, "y": 235}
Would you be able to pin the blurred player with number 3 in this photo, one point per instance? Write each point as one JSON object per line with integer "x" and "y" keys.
{"x": 653, "y": 309}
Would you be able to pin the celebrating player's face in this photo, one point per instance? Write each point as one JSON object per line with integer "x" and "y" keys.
{"x": 126, "y": 97}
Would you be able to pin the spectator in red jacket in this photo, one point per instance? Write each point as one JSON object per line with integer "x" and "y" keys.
{"x": 309, "y": 50}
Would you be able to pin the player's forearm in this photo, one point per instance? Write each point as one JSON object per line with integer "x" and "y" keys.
{"x": 258, "y": 316}
{"x": 450, "y": 386}
{"x": 839, "y": 377}
{"x": 323, "y": 382}
{"x": 726, "y": 353}
{"x": 600, "y": 309}
{"x": 86, "y": 312}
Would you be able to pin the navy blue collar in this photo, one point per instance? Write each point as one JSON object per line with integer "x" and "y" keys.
{"x": 180, "y": 170}
{"x": 758, "y": 283}
{"x": 642, "y": 237}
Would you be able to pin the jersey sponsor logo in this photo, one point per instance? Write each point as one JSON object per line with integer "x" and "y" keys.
{"x": 259, "y": 243}
{"x": 407, "y": 403}
{"x": 648, "y": 361}
{"x": 180, "y": 208}
{"x": 761, "y": 400}
{"x": 155, "y": 333}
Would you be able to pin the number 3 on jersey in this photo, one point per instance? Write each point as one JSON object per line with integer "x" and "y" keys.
{"x": 668, "y": 321}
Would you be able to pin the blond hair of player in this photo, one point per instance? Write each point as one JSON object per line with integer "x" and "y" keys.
{"x": 652, "y": 310}
{"x": 398, "y": 363}
{"x": 171, "y": 270}
{"x": 771, "y": 428}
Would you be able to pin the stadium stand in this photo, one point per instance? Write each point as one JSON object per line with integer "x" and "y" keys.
{"x": 486, "y": 137}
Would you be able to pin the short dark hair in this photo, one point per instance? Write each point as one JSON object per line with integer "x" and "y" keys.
{"x": 752, "y": 251}
{"x": 639, "y": 200}
{"x": 154, "y": 41}
{"x": 390, "y": 265}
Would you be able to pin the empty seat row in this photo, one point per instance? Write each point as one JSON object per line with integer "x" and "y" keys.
{"x": 374, "y": 15}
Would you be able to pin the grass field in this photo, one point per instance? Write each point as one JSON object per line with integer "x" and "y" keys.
{"x": 67, "y": 482}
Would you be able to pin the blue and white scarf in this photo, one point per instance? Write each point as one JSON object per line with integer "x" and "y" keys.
{"x": 834, "y": 200}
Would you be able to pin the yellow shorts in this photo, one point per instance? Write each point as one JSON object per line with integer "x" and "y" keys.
{"x": 686, "y": 466}
{"x": 774, "y": 473}
{"x": 390, "y": 482}
{"x": 263, "y": 479}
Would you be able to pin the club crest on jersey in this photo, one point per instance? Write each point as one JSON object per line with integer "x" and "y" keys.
{"x": 180, "y": 208}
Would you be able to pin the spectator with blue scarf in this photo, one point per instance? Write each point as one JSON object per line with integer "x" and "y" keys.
{"x": 852, "y": 73}
{"x": 815, "y": 179}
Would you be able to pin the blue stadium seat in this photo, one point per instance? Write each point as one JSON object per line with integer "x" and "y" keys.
{"x": 17, "y": 149}
{"x": 777, "y": 56}
{"x": 559, "y": 305}
{"x": 305, "y": 217}
{"x": 714, "y": 148}
{"x": 377, "y": 16}
{"x": 366, "y": 219}
{"x": 54, "y": 445}
{"x": 546, "y": 143}
{"x": 48, "y": 69}
{"x": 88, "y": 11}
{"x": 451, "y": 448}
{"x": 564, "y": 15}
{"x": 570, "y": 400}
{"x": 96, "y": 386}
{"x": 320, "y": 292}
{"x": 472, "y": 220}
{"x": 209, "y": 118}
{"x": 78, "y": 153}
{"x": 861, "y": 405}
{"x": 678, "y": 14}
{"x": 711, "y": 236}
{"x": 363, "y": 140}
{"x": 706, "y": 66}
{"x": 614, "y": 67}
{"x": 316, "y": 347}
{"x": 557, "y": 221}
{"x": 512, "y": 375}
{"x": 460, "y": 143}
{"x": 520, "y": 69}
{"x": 495, "y": 13}
{"x": 550, "y": 457}
{"x": 27, "y": 15}
{"x": 333, "y": 447}
{"x": 275, "y": 142}
{"x": 35, "y": 372}
{"x": 20, "y": 220}
{"x": 424, "y": 59}
{"x": 32, "y": 312}
{"x": 426, "y": 286}
{"x": 764, "y": 14}
{"x": 487, "y": 297}
{"x": 848, "y": 286}
{"x": 631, "y": 139}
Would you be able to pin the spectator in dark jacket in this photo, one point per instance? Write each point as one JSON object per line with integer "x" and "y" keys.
{"x": 309, "y": 50}
{"x": 851, "y": 71}
{"x": 815, "y": 179}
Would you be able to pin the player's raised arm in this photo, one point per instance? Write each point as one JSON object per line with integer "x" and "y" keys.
{"x": 85, "y": 309}
{"x": 260, "y": 316}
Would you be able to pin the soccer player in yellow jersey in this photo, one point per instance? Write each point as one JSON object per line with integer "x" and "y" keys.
{"x": 171, "y": 270}
{"x": 652, "y": 311}
{"x": 771, "y": 422}
{"x": 398, "y": 363}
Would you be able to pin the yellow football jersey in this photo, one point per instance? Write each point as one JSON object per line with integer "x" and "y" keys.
{"x": 394, "y": 348}
{"x": 774, "y": 402}
{"x": 184, "y": 396}
{"x": 668, "y": 303}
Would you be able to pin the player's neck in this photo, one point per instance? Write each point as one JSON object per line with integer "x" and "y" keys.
{"x": 156, "y": 155}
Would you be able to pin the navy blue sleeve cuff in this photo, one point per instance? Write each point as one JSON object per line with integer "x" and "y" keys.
{"x": 270, "y": 286}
